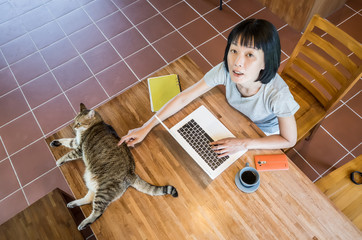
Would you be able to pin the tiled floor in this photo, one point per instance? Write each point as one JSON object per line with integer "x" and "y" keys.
{"x": 55, "y": 54}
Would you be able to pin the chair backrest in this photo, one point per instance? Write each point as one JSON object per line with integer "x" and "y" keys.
{"x": 326, "y": 61}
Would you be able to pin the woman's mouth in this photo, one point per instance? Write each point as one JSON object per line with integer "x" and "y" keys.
{"x": 237, "y": 73}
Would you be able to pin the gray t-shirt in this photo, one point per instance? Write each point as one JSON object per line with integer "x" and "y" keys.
{"x": 271, "y": 101}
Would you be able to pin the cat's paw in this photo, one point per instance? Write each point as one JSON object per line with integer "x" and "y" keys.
{"x": 72, "y": 204}
{"x": 55, "y": 143}
{"x": 84, "y": 224}
{"x": 60, "y": 162}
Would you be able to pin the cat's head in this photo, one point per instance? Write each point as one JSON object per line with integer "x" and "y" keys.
{"x": 86, "y": 118}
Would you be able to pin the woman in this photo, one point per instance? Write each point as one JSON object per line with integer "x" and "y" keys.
{"x": 253, "y": 87}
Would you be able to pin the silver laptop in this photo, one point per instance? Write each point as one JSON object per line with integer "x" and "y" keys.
{"x": 195, "y": 132}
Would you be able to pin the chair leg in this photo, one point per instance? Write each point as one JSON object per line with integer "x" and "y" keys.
{"x": 312, "y": 132}
{"x": 220, "y": 7}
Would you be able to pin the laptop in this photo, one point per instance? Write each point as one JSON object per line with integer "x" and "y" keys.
{"x": 195, "y": 132}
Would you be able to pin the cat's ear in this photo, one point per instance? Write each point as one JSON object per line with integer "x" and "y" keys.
{"x": 90, "y": 114}
{"x": 82, "y": 107}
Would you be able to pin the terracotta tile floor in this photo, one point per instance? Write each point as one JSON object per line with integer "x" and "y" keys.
{"x": 54, "y": 54}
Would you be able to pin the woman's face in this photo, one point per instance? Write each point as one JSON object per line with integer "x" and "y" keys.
{"x": 245, "y": 63}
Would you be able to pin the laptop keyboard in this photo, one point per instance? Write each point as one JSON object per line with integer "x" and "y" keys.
{"x": 199, "y": 140}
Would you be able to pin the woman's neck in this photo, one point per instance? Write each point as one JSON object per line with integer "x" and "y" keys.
{"x": 250, "y": 90}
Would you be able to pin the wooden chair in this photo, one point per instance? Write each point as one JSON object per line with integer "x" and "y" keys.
{"x": 323, "y": 67}
{"x": 346, "y": 195}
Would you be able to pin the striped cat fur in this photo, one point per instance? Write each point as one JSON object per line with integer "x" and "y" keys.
{"x": 110, "y": 169}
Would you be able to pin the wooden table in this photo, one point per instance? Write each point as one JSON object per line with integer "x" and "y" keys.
{"x": 286, "y": 206}
{"x": 346, "y": 195}
{"x": 47, "y": 218}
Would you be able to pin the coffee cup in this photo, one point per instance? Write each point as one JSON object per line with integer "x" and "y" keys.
{"x": 247, "y": 179}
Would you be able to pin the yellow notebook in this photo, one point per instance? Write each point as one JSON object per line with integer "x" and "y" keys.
{"x": 162, "y": 89}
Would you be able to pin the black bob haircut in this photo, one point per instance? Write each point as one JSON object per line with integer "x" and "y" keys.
{"x": 259, "y": 34}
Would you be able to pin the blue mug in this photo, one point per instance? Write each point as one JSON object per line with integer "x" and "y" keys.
{"x": 247, "y": 179}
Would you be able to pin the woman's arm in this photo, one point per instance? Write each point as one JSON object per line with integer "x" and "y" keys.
{"x": 286, "y": 139}
{"x": 135, "y": 136}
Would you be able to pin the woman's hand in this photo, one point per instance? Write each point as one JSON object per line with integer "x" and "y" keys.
{"x": 228, "y": 146}
{"x": 134, "y": 136}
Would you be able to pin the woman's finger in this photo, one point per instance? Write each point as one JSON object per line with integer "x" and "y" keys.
{"x": 223, "y": 154}
{"x": 127, "y": 138}
{"x": 123, "y": 139}
{"x": 218, "y": 147}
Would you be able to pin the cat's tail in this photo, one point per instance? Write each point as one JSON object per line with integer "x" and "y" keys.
{"x": 143, "y": 186}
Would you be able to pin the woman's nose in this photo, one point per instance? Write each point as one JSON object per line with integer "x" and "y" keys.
{"x": 239, "y": 61}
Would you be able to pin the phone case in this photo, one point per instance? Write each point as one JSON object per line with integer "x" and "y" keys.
{"x": 271, "y": 162}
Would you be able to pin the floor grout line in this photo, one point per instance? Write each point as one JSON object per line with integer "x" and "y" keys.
{"x": 334, "y": 138}
{"x": 336, "y": 163}
{"x": 81, "y": 56}
{"x": 16, "y": 175}
{"x": 352, "y": 110}
{"x": 26, "y": 100}
{"x": 347, "y": 19}
{"x": 135, "y": 26}
{"x": 106, "y": 39}
{"x": 49, "y": 71}
{"x": 81, "y": 7}
{"x": 38, "y": 177}
{"x": 226, "y": 4}
{"x": 122, "y": 59}
{"x": 62, "y": 91}
{"x": 300, "y": 155}
{"x": 24, "y": 147}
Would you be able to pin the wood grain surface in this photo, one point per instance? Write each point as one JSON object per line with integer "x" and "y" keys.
{"x": 298, "y": 13}
{"x": 286, "y": 206}
{"x": 346, "y": 195}
{"x": 46, "y": 219}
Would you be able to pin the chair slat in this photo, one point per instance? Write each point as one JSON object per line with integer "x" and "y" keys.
{"x": 325, "y": 64}
{"x": 354, "y": 79}
{"x": 316, "y": 75}
{"x": 306, "y": 83}
{"x": 333, "y": 52}
{"x": 351, "y": 43}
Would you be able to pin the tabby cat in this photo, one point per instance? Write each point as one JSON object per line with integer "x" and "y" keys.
{"x": 110, "y": 169}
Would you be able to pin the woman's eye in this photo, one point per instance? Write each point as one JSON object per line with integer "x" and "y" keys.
{"x": 232, "y": 50}
{"x": 250, "y": 55}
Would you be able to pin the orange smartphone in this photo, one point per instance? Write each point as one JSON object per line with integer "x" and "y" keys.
{"x": 271, "y": 162}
